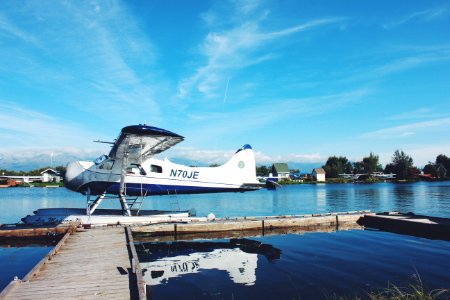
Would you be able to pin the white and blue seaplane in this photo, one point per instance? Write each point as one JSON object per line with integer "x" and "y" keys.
{"x": 130, "y": 172}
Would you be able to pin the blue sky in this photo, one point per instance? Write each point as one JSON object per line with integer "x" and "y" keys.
{"x": 298, "y": 80}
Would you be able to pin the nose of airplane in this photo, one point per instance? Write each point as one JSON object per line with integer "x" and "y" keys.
{"x": 73, "y": 176}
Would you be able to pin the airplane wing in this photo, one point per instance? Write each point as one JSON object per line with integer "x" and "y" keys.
{"x": 139, "y": 142}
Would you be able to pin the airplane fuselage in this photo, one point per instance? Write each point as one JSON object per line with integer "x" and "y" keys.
{"x": 162, "y": 177}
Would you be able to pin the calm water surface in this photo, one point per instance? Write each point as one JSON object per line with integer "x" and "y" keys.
{"x": 310, "y": 266}
{"x": 431, "y": 198}
{"x": 315, "y": 257}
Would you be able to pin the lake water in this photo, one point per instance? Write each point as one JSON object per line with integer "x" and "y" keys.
{"x": 309, "y": 266}
{"x": 346, "y": 260}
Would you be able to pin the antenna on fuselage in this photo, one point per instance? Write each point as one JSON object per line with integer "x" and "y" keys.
{"x": 104, "y": 142}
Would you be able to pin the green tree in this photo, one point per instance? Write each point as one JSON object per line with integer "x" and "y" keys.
{"x": 358, "y": 167}
{"x": 337, "y": 165}
{"x": 371, "y": 163}
{"x": 402, "y": 165}
{"x": 262, "y": 170}
{"x": 443, "y": 160}
{"x": 430, "y": 168}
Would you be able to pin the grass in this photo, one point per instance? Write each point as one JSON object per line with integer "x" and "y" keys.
{"x": 414, "y": 291}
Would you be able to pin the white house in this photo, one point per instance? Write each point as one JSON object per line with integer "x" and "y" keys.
{"x": 50, "y": 175}
{"x": 318, "y": 174}
{"x": 280, "y": 170}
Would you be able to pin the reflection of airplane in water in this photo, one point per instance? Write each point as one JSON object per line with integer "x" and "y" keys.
{"x": 238, "y": 257}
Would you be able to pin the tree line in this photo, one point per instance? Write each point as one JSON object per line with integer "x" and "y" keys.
{"x": 402, "y": 165}
{"x": 35, "y": 172}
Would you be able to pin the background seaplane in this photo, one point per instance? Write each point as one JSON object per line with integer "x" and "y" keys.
{"x": 130, "y": 169}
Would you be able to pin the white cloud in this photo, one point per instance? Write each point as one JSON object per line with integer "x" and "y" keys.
{"x": 29, "y": 138}
{"x": 95, "y": 52}
{"x": 33, "y": 158}
{"x": 420, "y": 113}
{"x": 229, "y": 51}
{"x": 23, "y": 127}
{"x": 10, "y": 28}
{"x": 410, "y": 62}
{"x": 424, "y": 15}
{"x": 441, "y": 124}
{"x": 291, "y": 157}
{"x": 421, "y": 154}
{"x": 206, "y": 157}
{"x": 248, "y": 6}
{"x": 274, "y": 112}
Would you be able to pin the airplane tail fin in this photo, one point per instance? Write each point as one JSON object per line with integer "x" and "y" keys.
{"x": 242, "y": 166}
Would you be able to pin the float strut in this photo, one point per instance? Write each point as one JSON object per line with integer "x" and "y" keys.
{"x": 124, "y": 204}
{"x": 96, "y": 203}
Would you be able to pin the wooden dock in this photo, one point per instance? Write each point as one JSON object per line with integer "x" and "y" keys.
{"x": 102, "y": 262}
{"x": 91, "y": 264}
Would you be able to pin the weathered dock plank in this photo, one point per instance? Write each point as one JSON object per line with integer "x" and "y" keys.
{"x": 91, "y": 264}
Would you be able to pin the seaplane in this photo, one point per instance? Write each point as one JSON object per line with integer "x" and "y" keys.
{"x": 131, "y": 172}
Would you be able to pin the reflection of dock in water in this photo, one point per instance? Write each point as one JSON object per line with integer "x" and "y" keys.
{"x": 238, "y": 257}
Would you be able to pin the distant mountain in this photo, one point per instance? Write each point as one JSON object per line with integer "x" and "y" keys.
{"x": 34, "y": 159}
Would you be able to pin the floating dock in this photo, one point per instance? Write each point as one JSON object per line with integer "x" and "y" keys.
{"x": 102, "y": 262}
{"x": 409, "y": 223}
{"x": 103, "y": 217}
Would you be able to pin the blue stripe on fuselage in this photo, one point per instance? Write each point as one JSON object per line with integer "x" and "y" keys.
{"x": 136, "y": 189}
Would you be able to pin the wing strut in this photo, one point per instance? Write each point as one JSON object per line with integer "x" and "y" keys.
{"x": 124, "y": 204}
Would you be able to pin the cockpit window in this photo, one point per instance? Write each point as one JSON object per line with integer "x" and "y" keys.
{"x": 107, "y": 165}
{"x": 100, "y": 159}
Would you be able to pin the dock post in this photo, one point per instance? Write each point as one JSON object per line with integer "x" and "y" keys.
{"x": 337, "y": 223}
{"x": 262, "y": 227}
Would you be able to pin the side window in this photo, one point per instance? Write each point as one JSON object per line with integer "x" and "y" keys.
{"x": 156, "y": 169}
{"x": 107, "y": 165}
{"x": 136, "y": 169}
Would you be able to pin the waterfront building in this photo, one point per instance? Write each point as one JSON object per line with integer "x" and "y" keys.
{"x": 50, "y": 175}
{"x": 318, "y": 174}
{"x": 280, "y": 170}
